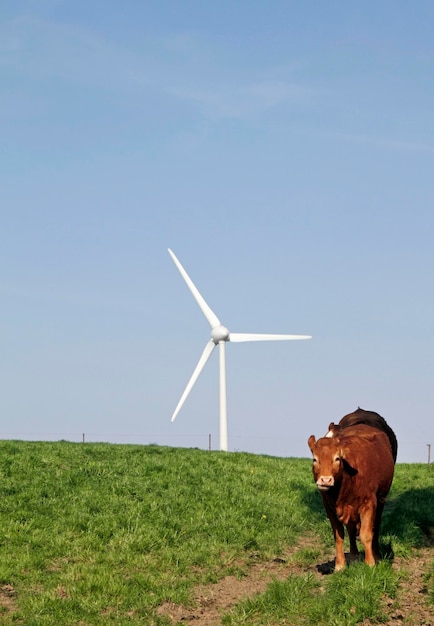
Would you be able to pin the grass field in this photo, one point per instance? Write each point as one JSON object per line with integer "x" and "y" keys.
{"x": 105, "y": 534}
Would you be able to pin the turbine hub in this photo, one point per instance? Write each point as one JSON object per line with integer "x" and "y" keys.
{"x": 219, "y": 333}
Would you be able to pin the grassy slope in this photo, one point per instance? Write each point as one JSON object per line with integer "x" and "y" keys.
{"x": 99, "y": 533}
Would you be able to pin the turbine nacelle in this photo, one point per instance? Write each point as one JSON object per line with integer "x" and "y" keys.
{"x": 220, "y": 333}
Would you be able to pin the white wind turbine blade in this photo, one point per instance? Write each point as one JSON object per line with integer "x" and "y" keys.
{"x": 206, "y": 310}
{"x": 199, "y": 367}
{"x": 237, "y": 337}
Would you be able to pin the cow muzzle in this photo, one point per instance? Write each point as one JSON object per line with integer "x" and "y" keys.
{"x": 325, "y": 482}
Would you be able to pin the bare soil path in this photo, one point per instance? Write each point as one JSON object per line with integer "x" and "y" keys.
{"x": 409, "y": 608}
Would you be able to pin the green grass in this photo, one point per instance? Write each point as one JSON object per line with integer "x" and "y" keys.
{"x": 105, "y": 534}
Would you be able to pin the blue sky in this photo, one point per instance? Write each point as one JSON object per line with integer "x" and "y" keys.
{"x": 284, "y": 151}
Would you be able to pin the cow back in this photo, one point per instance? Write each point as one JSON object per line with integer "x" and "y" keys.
{"x": 372, "y": 419}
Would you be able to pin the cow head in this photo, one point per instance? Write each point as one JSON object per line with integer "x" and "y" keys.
{"x": 327, "y": 461}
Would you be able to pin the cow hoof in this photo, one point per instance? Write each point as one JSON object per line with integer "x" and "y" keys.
{"x": 339, "y": 567}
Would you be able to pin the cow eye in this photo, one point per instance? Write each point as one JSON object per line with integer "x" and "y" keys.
{"x": 337, "y": 459}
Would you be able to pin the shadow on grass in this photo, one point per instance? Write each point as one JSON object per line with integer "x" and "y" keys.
{"x": 410, "y": 517}
{"x": 311, "y": 498}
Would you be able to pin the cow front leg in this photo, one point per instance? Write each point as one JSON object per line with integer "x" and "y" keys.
{"x": 338, "y": 530}
{"x": 367, "y": 519}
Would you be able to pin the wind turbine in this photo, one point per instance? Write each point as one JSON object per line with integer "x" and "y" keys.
{"x": 219, "y": 336}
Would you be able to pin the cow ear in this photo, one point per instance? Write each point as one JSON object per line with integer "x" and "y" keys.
{"x": 331, "y": 430}
{"x": 311, "y": 442}
{"x": 352, "y": 471}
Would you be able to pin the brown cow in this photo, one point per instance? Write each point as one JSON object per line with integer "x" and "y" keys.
{"x": 353, "y": 470}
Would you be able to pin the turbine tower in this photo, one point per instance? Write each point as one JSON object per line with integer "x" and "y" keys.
{"x": 219, "y": 336}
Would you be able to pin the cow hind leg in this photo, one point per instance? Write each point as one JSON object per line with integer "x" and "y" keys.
{"x": 376, "y": 536}
{"x": 352, "y": 533}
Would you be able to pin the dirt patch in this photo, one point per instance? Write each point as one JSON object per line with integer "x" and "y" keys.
{"x": 7, "y": 599}
{"x": 410, "y": 608}
{"x": 212, "y": 601}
